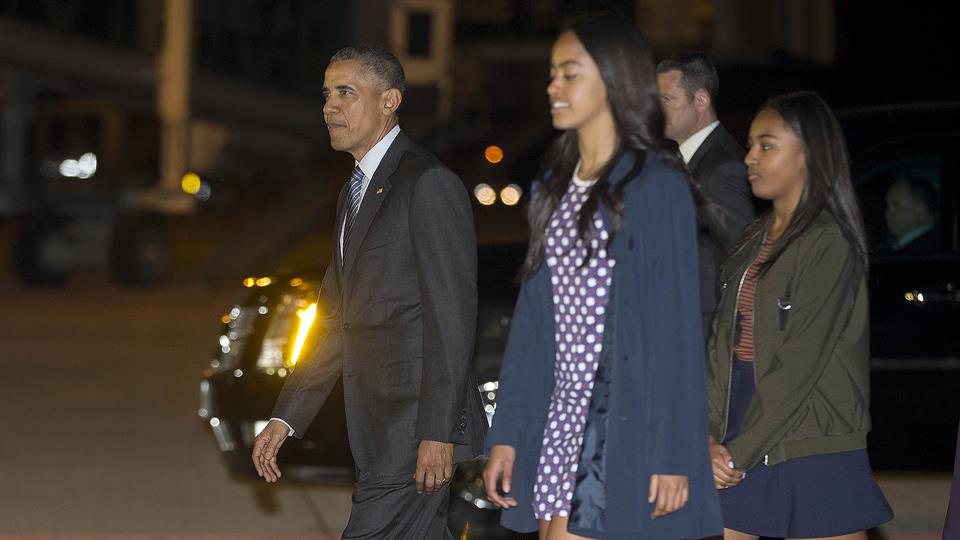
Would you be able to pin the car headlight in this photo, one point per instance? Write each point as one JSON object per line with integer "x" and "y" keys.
{"x": 237, "y": 327}
{"x": 288, "y": 335}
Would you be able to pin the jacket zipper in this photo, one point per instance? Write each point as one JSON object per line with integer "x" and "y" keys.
{"x": 733, "y": 337}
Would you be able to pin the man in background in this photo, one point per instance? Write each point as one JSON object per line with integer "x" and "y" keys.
{"x": 688, "y": 89}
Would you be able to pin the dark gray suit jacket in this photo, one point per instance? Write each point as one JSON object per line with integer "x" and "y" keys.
{"x": 399, "y": 320}
{"x": 719, "y": 169}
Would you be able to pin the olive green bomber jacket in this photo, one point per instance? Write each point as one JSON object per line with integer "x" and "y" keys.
{"x": 811, "y": 350}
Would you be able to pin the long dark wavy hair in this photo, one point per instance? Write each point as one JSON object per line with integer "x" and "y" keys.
{"x": 827, "y": 184}
{"x": 629, "y": 74}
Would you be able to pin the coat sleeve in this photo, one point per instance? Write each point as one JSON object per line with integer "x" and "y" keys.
{"x": 445, "y": 254}
{"x": 823, "y": 305}
{"x": 315, "y": 375}
{"x": 728, "y": 188}
{"x": 679, "y": 410}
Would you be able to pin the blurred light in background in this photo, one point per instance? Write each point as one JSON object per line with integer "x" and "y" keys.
{"x": 204, "y": 192}
{"x": 190, "y": 183}
{"x": 494, "y": 154}
{"x": 511, "y": 194}
{"x": 82, "y": 168}
{"x": 485, "y": 194}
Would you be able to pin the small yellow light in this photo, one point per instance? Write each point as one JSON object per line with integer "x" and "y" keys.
{"x": 485, "y": 194}
{"x": 190, "y": 183}
{"x": 306, "y": 316}
{"x": 511, "y": 194}
{"x": 296, "y": 282}
{"x": 226, "y": 319}
{"x": 909, "y": 297}
{"x": 264, "y": 281}
{"x": 493, "y": 153}
{"x": 249, "y": 282}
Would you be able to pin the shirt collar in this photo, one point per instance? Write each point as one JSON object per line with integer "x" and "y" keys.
{"x": 690, "y": 146}
{"x": 371, "y": 160}
{"x": 913, "y": 234}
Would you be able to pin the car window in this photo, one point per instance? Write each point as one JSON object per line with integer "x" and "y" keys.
{"x": 907, "y": 199}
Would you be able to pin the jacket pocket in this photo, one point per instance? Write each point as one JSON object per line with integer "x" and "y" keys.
{"x": 379, "y": 238}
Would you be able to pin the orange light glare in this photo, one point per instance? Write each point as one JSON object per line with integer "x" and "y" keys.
{"x": 493, "y": 153}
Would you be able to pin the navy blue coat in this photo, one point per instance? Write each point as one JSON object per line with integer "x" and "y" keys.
{"x": 649, "y": 412}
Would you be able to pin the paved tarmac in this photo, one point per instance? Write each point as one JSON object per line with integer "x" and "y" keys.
{"x": 98, "y": 425}
{"x": 99, "y": 437}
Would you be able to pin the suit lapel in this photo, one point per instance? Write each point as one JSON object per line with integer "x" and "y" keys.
{"x": 372, "y": 199}
{"x": 704, "y": 148}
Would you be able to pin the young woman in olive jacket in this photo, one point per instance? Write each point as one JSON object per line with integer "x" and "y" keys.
{"x": 788, "y": 369}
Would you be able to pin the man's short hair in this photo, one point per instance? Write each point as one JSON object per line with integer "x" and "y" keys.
{"x": 923, "y": 192}
{"x": 378, "y": 61}
{"x": 696, "y": 72}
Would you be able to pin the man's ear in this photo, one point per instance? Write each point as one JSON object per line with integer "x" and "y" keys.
{"x": 701, "y": 100}
{"x": 390, "y": 100}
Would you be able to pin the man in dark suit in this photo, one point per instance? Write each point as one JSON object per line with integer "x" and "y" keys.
{"x": 911, "y": 215}
{"x": 688, "y": 89}
{"x": 399, "y": 303}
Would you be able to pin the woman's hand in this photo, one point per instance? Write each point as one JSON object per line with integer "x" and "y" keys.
{"x": 724, "y": 475}
{"x": 668, "y": 493}
{"x": 500, "y": 468}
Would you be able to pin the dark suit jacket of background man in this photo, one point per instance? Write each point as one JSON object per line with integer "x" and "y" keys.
{"x": 719, "y": 169}
{"x": 399, "y": 320}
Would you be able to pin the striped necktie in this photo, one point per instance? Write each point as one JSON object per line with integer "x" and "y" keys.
{"x": 353, "y": 204}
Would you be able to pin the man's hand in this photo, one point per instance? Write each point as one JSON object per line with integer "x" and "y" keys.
{"x": 724, "y": 475}
{"x": 265, "y": 448}
{"x": 668, "y": 493}
{"x": 500, "y": 465}
{"x": 434, "y": 466}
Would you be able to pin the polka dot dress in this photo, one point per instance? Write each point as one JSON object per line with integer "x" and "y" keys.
{"x": 579, "y": 298}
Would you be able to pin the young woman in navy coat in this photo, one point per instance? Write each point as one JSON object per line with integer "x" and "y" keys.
{"x": 601, "y": 425}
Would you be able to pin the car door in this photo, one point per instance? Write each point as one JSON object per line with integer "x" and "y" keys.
{"x": 915, "y": 303}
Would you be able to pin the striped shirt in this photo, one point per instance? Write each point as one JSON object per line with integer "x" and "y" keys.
{"x": 747, "y": 299}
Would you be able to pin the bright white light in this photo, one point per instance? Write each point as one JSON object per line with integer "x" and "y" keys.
{"x": 485, "y": 194}
{"x": 511, "y": 194}
{"x": 88, "y": 165}
{"x": 262, "y": 310}
{"x": 82, "y": 168}
{"x": 214, "y": 422}
{"x": 490, "y": 386}
{"x": 70, "y": 168}
{"x": 235, "y": 312}
{"x": 224, "y": 341}
{"x": 238, "y": 373}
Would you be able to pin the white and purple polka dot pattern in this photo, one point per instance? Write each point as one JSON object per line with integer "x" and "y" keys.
{"x": 579, "y": 298}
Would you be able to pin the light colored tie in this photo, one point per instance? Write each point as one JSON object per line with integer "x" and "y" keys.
{"x": 353, "y": 204}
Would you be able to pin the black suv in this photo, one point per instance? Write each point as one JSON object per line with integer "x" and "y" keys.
{"x": 264, "y": 336}
{"x": 906, "y": 170}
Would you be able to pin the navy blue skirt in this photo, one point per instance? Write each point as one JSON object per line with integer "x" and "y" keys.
{"x": 812, "y": 496}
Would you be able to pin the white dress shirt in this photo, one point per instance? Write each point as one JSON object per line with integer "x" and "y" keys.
{"x": 690, "y": 146}
{"x": 368, "y": 164}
